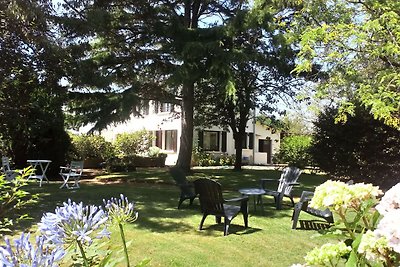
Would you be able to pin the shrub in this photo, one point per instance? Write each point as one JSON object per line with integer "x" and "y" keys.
{"x": 226, "y": 160}
{"x": 360, "y": 147}
{"x": 91, "y": 146}
{"x": 131, "y": 144}
{"x": 13, "y": 198}
{"x": 202, "y": 158}
{"x": 294, "y": 150}
{"x": 153, "y": 151}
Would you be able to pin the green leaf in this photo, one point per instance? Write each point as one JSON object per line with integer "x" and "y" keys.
{"x": 143, "y": 263}
{"x": 352, "y": 261}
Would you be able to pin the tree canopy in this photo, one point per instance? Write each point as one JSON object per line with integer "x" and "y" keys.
{"x": 358, "y": 45}
{"x": 32, "y": 121}
{"x": 251, "y": 70}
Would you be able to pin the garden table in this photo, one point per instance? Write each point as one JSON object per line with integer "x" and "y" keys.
{"x": 43, "y": 164}
{"x": 255, "y": 192}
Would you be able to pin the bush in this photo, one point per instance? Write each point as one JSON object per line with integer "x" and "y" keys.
{"x": 201, "y": 158}
{"x": 13, "y": 198}
{"x": 361, "y": 148}
{"x": 294, "y": 150}
{"x": 91, "y": 146}
{"x": 131, "y": 144}
{"x": 154, "y": 151}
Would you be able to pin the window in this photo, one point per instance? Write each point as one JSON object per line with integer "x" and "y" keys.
{"x": 145, "y": 107}
{"x": 244, "y": 141}
{"x": 156, "y": 106}
{"x": 166, "y": 107}
{"x": 264, "y": 145}
{"x": 211, "y": 141}
{"x": 159, "y": 139}
{"x": 251, "y": 140}
{"x": 171, "y": 140}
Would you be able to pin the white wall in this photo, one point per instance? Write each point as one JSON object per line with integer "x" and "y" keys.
{"x": 171, "y": 121}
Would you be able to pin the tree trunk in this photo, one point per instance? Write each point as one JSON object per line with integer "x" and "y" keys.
{"x": 186, "y": 145}
{"x": 239, "y": 150}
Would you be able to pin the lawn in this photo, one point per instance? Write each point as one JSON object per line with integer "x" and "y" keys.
{"x": 170, "y": 237}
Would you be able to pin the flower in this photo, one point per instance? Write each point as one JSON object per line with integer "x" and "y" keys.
{"x": 120, "y": 210}
{"x": 374, "y": 246}
{"x": 25, "y": 254}
{"x": 73, "y": 222}
{"x": 326, "y": 254}
{"x": 388, "y": 227}
{"x": 338, "y": 195}
{"x": 390, "y": 201}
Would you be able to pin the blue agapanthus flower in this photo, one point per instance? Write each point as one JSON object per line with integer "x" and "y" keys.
{"x": 120, "y": 210}
{"x": 73, "y": 223}
{"x": 24, "y": 254}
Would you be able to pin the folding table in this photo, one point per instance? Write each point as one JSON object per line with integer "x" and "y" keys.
{"x": 43, "y": 164}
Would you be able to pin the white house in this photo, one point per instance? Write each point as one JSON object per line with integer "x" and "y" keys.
{"x": 164, "y": 120}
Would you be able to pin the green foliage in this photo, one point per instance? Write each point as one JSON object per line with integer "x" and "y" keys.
{"x": 153, "y": 151}
{"x": 202, "y": 158}
{"x": 362, "y": 148}
{"x": 31, "y": 97}
{"x": 131, "y": 144}
{"x": 91, "y": 146}
{"x": 13, "y": 198}
{"x": 358, "y": 44}
{"x": 294, "y": 150}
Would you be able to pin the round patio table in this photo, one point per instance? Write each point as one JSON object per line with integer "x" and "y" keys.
{"x": 253, "y": 192}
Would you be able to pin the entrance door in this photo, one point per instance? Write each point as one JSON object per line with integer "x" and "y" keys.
{"x": 265, "y": 145}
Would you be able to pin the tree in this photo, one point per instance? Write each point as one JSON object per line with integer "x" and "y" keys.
{"x": 251, "y": 71}
{"x": 358, "y": 43}
{"x": 363, "y": 148}
{"x": 148, "y": 50}
{"x": 31, "y": 99}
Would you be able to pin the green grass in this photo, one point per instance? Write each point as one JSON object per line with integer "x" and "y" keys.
{"x": 170, "y": 237}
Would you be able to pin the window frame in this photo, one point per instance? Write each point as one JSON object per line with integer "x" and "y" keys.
{"x": 214, "y": 147}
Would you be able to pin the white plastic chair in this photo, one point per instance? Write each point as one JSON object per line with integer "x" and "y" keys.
{"x": 6, "y": 169}
{"x": 72, "y": 173}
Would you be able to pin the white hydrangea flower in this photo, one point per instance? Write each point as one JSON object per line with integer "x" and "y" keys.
{"x": 389, "y": 228}
{"x": 374, "y": 247}
{"x": 338, "y": 195}
{"x": 390, "y": 201}
{"x": 327, "y": 254}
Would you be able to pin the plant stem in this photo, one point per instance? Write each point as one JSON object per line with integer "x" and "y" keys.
{"x": 346, "y": 224}
{"x": 121, "y": 230}
{"x": 85, "y": 260}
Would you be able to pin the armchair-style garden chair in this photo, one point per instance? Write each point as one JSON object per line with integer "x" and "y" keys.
{"x": 212, "y": 203}
{"x": 302, "y": 205}
{"x": 187, "y": 188}
{"x": 9, "y": 173}
{"x": 288, "y": 179}
{"x": 73, "y": 173}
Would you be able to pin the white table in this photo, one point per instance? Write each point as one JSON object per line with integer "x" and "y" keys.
{"x": 43, "y": 164}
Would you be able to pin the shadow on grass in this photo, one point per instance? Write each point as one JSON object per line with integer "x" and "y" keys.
{"x": 313, "y": 225}
{"x": 156, "y": 197}
{"x": 234, "y": 229}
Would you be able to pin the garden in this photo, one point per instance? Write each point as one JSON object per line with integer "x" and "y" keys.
{"x": 323, "y": 75}
{"x": 144, "y": 216}
{"x": 168, "y": 236}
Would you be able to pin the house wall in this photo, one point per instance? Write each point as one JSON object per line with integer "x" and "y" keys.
{"x": 170, "y": 121}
